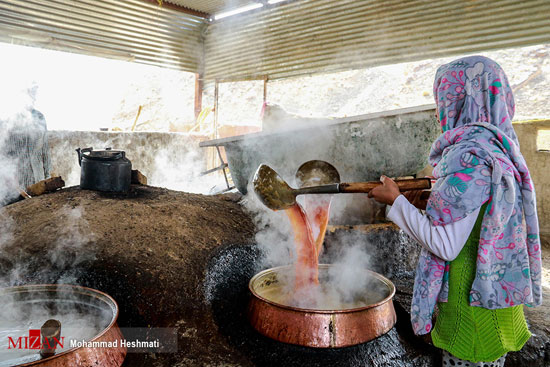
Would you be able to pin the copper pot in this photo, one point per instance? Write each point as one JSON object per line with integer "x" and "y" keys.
{"x": 66, "y": 297}
{"x": 319, "y": 328}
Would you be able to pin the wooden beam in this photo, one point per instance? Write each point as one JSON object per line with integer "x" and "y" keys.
{"x": 198, "y": 94}
{"x": 179, "y": 8}
{"x": 240, "y": 79}
{"x": 265, "y": 89}
{"x": 216, "y": 105}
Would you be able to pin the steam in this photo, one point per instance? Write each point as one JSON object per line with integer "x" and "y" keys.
{"x": 14, "y": 115}
{"x": 60, "y": 262}
{"x": 73, "y": 247}
{"x": 360, "y": 151}
{"x": 7, "y": 227}
{"x": 81, "y": 319}
{"x": 274, "y": 234}
{"x": 21, "y": 139}
{"x": 184, "y": 172}
{"x": 57, "y": 263}
{"x": 46, "y": 263}
{"x": 170, "y": 160}
{"x": 344, "y": 285}
{"x": 348, "y": 274}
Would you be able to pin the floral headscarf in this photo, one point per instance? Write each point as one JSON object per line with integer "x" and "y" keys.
{"x": 477, "y": 160}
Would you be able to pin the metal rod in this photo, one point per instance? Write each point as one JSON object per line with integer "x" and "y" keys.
{"x": 226, "y": 190}
{"x": 221, "y": 159}
{"x": 322, "y": 189}
{"x": 214, "y": 169}
{"x": 216, "y": 105}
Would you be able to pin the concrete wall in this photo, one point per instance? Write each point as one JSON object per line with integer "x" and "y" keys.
{"x": 539, "y": 166}
{"x": 170, "y": 160}
{"x": 174, "y": 160}
{"x": 538, "y": 162}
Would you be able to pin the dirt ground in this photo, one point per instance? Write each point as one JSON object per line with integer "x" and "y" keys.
{"x": 162, "y": 254}
{"x": 148, "y": 249}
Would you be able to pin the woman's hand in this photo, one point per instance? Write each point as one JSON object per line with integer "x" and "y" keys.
{"x": 385, "y": 193}
{"x": 415, "y": 198}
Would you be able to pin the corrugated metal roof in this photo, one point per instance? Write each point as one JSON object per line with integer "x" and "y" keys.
{"x": 294, "y": 38}
{"x": 312, "y": 36}
{"x": 211, "y": 6}
{"x": 130, "y": 30}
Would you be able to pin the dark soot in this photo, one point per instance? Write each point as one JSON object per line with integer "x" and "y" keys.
{"x": 135, "y": 192}
{"x": 227, "y": 289}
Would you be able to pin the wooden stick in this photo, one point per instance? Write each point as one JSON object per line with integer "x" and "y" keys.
{"x": 48, "y": 185}
{"x": 137, "y": 116}
{"x": 404, "y": 185}
{"x": 138, "y": 178}
{"x": 24, "y": 194}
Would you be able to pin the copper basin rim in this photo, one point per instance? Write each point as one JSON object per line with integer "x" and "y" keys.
{"x": 320, "y": 328}
{"x": 81, "y": 356}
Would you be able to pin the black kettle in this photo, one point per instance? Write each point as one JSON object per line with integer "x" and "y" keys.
{"x": 104, "y": 170}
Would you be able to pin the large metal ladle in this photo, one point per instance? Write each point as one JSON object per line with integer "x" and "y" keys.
{"x": 276, "y": 194}
{"x": 315, "y": 173}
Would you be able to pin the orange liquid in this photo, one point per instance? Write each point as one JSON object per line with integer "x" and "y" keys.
{"x": 309, "y": 233}
{"x": 317, "y": 208}
{"x": 306, "y": 266}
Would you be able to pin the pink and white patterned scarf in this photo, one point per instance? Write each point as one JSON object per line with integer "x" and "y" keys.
{"x": 477, "y": 160}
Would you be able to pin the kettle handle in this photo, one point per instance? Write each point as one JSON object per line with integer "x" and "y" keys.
{"x": 122, "y": 153}
{"x": 80, "y": 153}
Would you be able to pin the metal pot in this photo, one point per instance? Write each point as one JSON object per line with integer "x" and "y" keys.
{"x": 104, "y": 170}
{"x": 64, "y": 301}
{"x": 319, "y": 328}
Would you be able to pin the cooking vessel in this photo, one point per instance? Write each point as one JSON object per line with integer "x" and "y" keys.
{"x": 104, "y": 170}
{"x": 82, "y": 311}
{"x": 319, "y": 328}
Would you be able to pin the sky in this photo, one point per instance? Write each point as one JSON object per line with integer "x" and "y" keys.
{"x": 75, "y": 92}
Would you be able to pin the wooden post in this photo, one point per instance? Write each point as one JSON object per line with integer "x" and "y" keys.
{"x": 265, "y": 88}
{"x": 216, "y": 105}
{"x": 214, "y": 160}
{"x": 198, "y": 94}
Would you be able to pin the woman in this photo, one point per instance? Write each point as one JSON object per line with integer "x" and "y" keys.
{"x": 480, "y": 261}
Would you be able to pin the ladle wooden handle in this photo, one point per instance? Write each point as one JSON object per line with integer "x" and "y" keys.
{"x": 404, "y": 185}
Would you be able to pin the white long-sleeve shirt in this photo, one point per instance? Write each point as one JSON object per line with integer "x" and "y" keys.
{"x": 445, "y": 241}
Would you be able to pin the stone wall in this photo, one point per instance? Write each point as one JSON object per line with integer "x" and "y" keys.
{"x": 174, "y": 160}
{"x": 171, "y": 160}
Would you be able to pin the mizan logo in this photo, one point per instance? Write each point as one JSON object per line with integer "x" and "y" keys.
{"x": 35, "y": 341}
